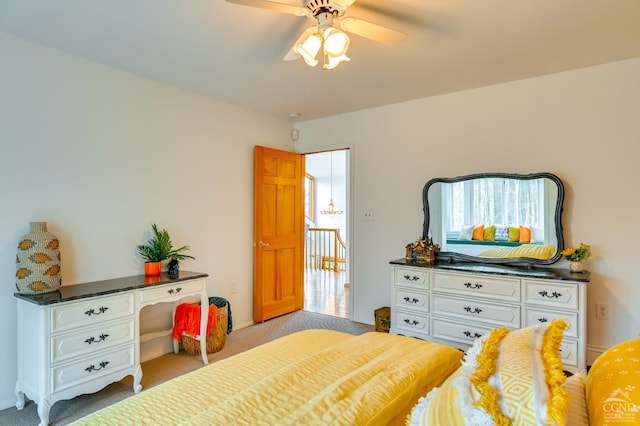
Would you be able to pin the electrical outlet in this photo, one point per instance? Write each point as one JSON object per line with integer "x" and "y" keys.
{"x": 234, "y": 288}
{"x": 602, "y": 311}
{"x": 367, "y": 215}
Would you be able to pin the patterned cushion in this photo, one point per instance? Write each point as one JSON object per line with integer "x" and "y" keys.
{"x": 508, "y": 377}
{"x": 613, "y": 385}
{"x": 502, "y": 233}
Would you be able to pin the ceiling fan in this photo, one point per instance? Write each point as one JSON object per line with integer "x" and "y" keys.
{"x": 330, "y": 31}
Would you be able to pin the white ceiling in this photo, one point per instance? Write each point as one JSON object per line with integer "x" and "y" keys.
{"x": 234, "y": 53}
{"x": 326, "y": 164}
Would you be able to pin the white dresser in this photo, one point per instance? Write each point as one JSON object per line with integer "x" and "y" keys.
{"x": 84, "y": 337}
{"x": 456, "y": 303}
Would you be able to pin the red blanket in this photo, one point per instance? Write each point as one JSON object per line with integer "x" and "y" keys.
{"x": 187, "y": 321}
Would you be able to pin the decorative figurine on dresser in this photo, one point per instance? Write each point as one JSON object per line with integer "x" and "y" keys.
{"x": 496, "y": 235}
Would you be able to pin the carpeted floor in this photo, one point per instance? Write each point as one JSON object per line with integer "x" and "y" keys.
{"x": 168, "y": 366}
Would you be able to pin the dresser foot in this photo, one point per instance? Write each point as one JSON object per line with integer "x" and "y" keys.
{"x": 19, "y": 397}
{"x": 43, "y": 412}
{"x": 137, "y": 378}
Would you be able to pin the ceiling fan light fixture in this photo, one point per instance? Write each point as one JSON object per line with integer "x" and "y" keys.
{"x": 331, "y": 62}
{"x": 336, "y": 42}
{"x": 309, "y": 49}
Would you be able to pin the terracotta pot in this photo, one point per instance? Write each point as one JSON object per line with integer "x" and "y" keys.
{"x": 152, "y": 268}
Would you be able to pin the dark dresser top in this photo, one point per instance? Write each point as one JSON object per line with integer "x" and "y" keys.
{"x": 489, "y": 268}
{"x": 100, "y": 288}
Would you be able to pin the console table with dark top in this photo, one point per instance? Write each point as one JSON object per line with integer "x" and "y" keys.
{"x": 84, "y": 337}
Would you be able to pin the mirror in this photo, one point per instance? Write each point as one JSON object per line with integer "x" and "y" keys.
{"x": 495, "y": 218}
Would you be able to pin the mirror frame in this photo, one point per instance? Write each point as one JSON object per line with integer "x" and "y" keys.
{"x": 451, "y": 256}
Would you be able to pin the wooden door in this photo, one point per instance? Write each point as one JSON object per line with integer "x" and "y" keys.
{"x": 278, "y": 233}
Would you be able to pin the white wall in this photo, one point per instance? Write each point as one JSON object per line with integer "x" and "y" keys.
{"x": 581, "y": 125}
{"x": 100, "y": 154}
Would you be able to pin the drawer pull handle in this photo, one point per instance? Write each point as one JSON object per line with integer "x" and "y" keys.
{"x": 177, "y": 290}
{"x": 411, "y": 278}
{"x": 476, "y": 285}
{"x": 411, "y": 300}
{"x": 554, "y": 295}
{"x": 543, "y": 319}
{"x": 472, "y": 310}
{"x": 474, "y": 335}
{"x": 92, "y": 311}
{"x": 411, "y": 322}
{"x": 92, "y": 367}
{"x": 92, "y": 339}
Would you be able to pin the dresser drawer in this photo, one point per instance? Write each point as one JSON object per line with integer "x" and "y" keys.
{"x": 477, "y": 285}
{"x": 457, "y": 331}
{"x": 555, "y": 294}
{"x": 569, "y": 352}
{"x": 417, "y": 322}
{"x": 412, "y": 299}
{"x": 104, "y": 336}
{"x": 167, "y": 292}
{"x": 475, "y": 310}
{"x": 535, "y": 316}
{"x": 85, "y": 313}
{"x": 90, "y": 368}
{"x": 414, "y": 277}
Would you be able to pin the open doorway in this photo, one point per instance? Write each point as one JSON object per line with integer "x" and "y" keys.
{"x": 326, "y": 289}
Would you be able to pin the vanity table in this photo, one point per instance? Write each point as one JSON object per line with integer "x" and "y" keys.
{"x": 84, "y": 337}
{"x": 455, "y": 302}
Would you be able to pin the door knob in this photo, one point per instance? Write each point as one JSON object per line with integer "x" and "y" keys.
{"x": 262, "y": 244}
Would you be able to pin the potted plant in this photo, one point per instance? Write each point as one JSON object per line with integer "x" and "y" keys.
{"x": 576, "y": 255}
{"x": 160, "y": 248}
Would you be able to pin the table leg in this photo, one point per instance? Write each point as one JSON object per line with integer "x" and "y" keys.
{"x": 204, "y": 312}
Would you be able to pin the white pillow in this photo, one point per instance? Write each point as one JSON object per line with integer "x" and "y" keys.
{"x": 466, "y": 232}
{"x": 537, "y": 235}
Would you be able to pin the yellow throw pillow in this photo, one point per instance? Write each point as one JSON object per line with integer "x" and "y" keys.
{"x": 514, "y": 234}
{"x": 508, "y": 377}
{"x": 613, "y": 385}
{"x": 478, "y": 233}
{"x": 489, "y": 233}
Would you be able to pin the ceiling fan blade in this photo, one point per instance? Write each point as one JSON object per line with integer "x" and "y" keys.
{"x": 343, "y": 4}
{"x": 291, "y": 54}
{"x": 373, "y": 31}
{"x": 274, "y": 6}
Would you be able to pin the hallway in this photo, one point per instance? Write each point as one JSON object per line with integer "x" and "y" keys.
{"x": 325, "y": 292}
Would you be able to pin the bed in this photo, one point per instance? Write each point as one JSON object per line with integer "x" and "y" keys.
{"x": 309, "y": 377}
{"x": 535, "y": 251}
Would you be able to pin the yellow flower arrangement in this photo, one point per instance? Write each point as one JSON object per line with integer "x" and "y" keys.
{"x": 577, "y": 254}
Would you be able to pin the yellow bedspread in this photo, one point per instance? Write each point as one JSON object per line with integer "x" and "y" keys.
{"x": 535, "y": 251}
{"x": 313, "y": 377}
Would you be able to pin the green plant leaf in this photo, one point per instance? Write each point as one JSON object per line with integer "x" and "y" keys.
{"x": 160, "y": 247}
